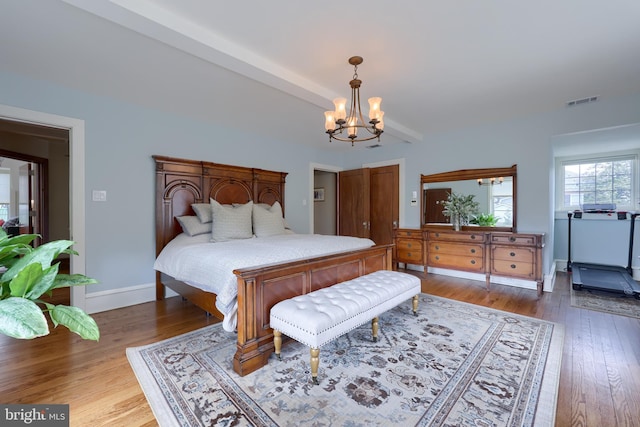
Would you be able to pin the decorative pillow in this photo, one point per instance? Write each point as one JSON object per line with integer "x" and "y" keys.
{"x": 268, "y": 221}
{"x": 231, "y": 222}
{"x": 203, "y": 212}
{"x": 192, "y": 226}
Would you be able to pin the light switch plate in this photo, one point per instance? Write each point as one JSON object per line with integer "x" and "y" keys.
{"x": 99, "y": 196}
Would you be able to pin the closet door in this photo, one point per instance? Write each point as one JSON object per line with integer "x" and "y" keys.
{"x": 368, "y": 203}
{"x": 353, "y": 203}
{"x": 384, "y": 202}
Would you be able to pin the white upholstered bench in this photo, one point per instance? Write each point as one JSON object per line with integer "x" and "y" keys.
{"x": 318, "y": 317}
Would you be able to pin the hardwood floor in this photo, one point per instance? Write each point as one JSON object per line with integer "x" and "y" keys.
{"x": 599, "y": 380}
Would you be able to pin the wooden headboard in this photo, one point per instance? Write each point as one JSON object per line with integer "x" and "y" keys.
{"x": 180, "y": 182}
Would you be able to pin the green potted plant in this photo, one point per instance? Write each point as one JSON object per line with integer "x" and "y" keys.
{"x": 485, "y": 220}
{"x": 459, "y": 208}
{"x": 26, "y": 274}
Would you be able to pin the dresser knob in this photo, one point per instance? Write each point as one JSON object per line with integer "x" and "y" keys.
{"x": 512, "y": 254}
{"x": 409, "y": 254}
{"x": 513, "y": 266}
{"x": 473, "y": 237}
{"x": 437, "y": 234}
{"x": 437, "y": 248}
{"x": 512, "y": 239}
{"x": 473, "y": 251}
{"x": 409, "y": 245}
{"x": 473, "y": 261}
{"x": 437, "y": 257}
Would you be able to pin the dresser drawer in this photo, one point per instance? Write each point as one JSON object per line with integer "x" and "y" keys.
{"x": 456, "y": 262}
{"x": 405, "y": 232}
{"x": 506, "y": 253}
{"x": 456, "y": 236}
{"x": 410, "y": 256}
{"x": 514, "y": 239}
{"x": 456, "y": 249}
{"x": 525, "y": 270}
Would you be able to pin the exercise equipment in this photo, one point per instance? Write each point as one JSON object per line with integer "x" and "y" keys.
{"x": 602, "y": 277}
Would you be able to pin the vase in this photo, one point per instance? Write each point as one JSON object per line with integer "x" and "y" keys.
{"x": 456, "y": 222}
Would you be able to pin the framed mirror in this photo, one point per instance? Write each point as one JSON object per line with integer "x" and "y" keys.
{"x": 495, "y": 190}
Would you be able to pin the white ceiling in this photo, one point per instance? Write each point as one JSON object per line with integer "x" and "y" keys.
{"x": 274, "y": 66}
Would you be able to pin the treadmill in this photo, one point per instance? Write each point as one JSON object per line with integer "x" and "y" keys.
{"x": 601, "y": 277}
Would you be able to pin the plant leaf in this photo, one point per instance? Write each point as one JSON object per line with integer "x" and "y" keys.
{"x": 45, "y": 284}
{"x": 21, "y": 318}
{"x": 43, "y": 254}
{"x": 76, "y": 320}
{"x": 64, "y": 280}
{"x": 26, "y": 278}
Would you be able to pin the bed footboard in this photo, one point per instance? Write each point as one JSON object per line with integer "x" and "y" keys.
{"x": 260, "y": 288}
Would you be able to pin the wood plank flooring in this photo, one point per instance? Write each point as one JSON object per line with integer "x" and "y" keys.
{"x": 599, "y": 380}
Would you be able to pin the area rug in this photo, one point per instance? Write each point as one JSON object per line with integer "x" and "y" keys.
{"x": 453, "y": 364}
{"x": 620, "y": 304}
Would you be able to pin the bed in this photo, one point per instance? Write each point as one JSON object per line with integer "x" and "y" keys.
{"x": 262, "y": 282}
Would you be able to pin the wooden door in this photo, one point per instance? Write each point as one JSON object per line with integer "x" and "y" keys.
{"x": 353, "y": 203}
{"x": 25, "y": 196}
{"x": 368, "y": 203}
{"x": 384, "y": 200}
{"x": 433, "y": 205}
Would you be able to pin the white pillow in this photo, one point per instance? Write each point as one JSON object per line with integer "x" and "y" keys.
{"x": 203, "y": 211}
{"x": 192, "y": 226}
{"x": 231, "y": 222}
{"x": 268, "y": 221}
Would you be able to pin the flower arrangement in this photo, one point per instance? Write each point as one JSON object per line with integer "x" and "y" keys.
{"x": 459, "y": 208}
{"x": 485, "y": 220}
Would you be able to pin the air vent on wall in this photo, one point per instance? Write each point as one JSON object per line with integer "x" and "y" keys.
{"x": 576, "y": 102}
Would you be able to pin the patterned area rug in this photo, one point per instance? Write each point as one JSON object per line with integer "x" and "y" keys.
{"x": 453, "y": 364}
{"x": 606, "y": 302}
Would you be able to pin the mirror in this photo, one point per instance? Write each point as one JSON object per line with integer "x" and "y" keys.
{"x": 494, "y": 190}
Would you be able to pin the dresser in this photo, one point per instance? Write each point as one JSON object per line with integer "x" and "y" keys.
{"x": 409, "y": 247}
{"x": 499, "y": 254}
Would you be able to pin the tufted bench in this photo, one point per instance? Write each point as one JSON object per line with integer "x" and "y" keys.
{"x": 318, "y": 317}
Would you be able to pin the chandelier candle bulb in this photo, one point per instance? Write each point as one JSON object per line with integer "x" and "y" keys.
{"x": 374, "y": 108}
{"x": 330, "y": 120}
{"x": 341, "y": 109}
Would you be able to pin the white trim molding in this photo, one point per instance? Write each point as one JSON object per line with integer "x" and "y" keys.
{"x": 76, "y": 182}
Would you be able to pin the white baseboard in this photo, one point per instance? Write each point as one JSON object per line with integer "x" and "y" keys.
{"x": 509, "y": 281}
{"x": 96, "y": 302}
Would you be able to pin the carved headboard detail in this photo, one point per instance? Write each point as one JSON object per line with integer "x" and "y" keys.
{"x": 180, "y": 183}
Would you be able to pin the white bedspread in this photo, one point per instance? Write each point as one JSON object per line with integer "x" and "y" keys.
{"x": 209, "y": 266}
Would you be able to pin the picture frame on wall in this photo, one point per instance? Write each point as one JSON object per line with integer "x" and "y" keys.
{"x": 318, "y": 194}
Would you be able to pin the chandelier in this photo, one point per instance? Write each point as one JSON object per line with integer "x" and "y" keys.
{"x": 491, "y": 181}
{"x": 338, "y": 122}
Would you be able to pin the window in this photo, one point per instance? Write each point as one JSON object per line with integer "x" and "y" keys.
{"x": 501, "y": 198}
{"x": 609, "y": 180}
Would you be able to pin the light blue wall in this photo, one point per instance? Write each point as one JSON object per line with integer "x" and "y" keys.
{"x": 526, "y": 142}
{"x": 120, "y": 139}
{"x": 119, "y": 142}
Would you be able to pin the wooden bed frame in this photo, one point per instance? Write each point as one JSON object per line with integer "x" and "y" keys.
{"x": 179, "y": 183}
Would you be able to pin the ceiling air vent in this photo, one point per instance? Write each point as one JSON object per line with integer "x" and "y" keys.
{"x": 577, "y": 102}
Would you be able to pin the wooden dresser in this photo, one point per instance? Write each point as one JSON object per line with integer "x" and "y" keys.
{"x": 500, "y": 254}
{"x": 456, "y": 250}
{"x": 409, "y": 247}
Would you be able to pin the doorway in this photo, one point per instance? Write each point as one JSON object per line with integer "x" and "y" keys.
{"x": 73, "y": 129}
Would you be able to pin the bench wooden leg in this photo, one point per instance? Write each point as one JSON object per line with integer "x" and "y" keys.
{"x": 315, "y": 361}
{"x": 374, "y": 328}
{"x": 277, "y": 342}
{"x": 415, "y": 305}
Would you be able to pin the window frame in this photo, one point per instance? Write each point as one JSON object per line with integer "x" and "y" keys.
{"x": 561, "y": 162}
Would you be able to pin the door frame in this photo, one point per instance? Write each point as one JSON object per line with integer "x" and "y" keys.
{"x": 76, "y": 183}
{"x": 329, "y": 168}
{"x": 312, "y": 168}
{"x": 401, "y": 184}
